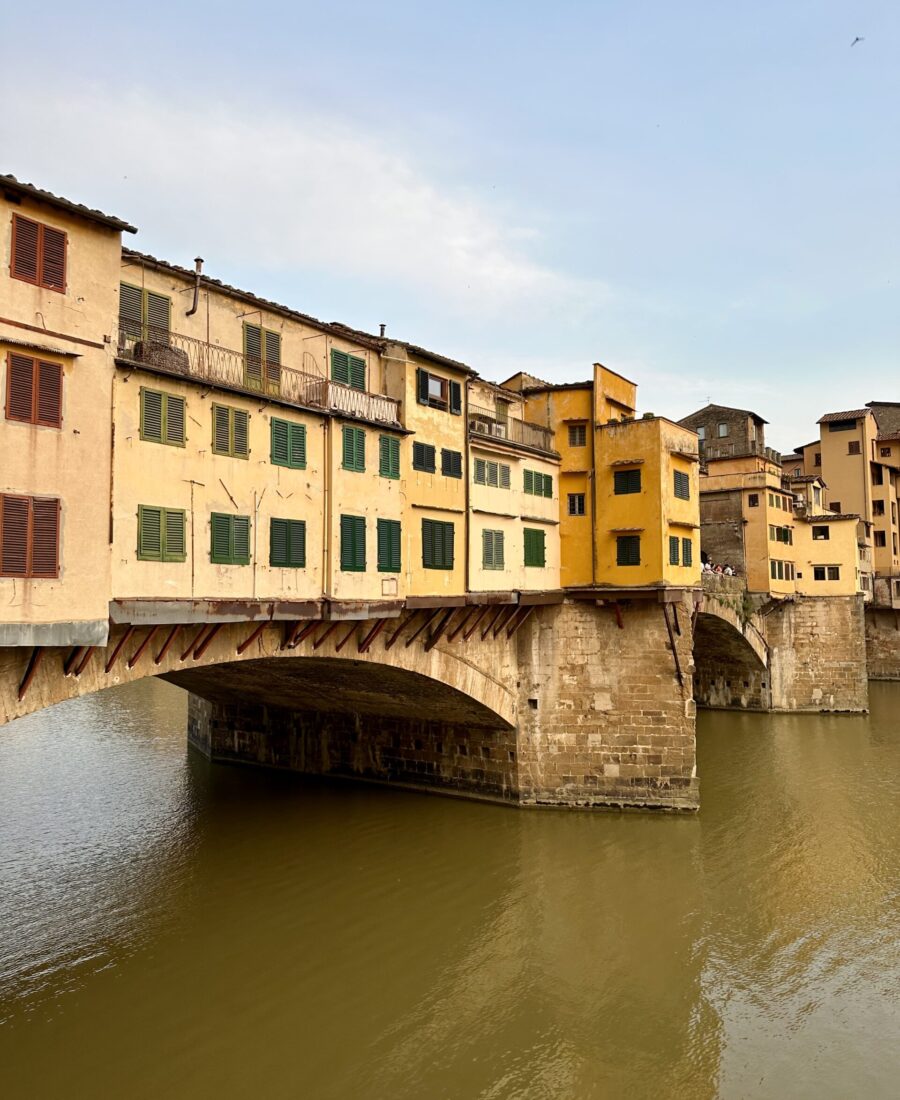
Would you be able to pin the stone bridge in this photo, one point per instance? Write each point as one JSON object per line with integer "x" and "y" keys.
{"x": 799, "y": 653}
{"x": 556, "y": 702}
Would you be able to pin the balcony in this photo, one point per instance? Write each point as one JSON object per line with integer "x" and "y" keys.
{"x": 484, "y": 422}
{"x": 198, "y": 361}
{"x": 724, "y": 448}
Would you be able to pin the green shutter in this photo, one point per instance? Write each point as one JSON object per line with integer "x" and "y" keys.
{"x": 253, "y": 338}
{"x": 281, "y": 449}
{"x": 297, "y": 543}
{"x": 687, "y": 552}
{"x": 131, "y": 309}
{"x": 673, "y": 550}
{"x": 428, "y": 544}
{"x": 504, "y": 476}
{"x": 437, "y": 544}
{"x": 535, "y": 547}
{"x": 353, "y": 544}
{"x": 152, "y": 415}
{"x": 356, "y": 372}
{"x": 682, "y": 485}
{"x": 297, "y": 436}
{"x": 455, "y": 398}
{"x": 173, "y": 535}
{"x": 241, "y": 539}
{"x": 480, "y": 471}
{"x": 529, "y": 481}
{"x": 221, "y": 430}
{"x": 493, "y": 474}
{"x": 159, "y": 310}
{"x": 492, "y": 549}
{"x": 353, "y": 444}
{"x": 173, "y": 414}
{"x": 360, "y": 449}
{"x": 388, "y": 545}
{"x": 150, "y": 527}
{"x": 287, "y": 543}
{"x": 626, "y": 481}
{"x": 220, "y": 538}
{"x": 240, "y": 433}
{"x": 278, "y": 542}
{"x": 548, "y": 486}
{"x": 628, "y": 550}
{"x": 422, "y": 386}
{"x": 389, "y": 456}
{"x": 340, "y": 366}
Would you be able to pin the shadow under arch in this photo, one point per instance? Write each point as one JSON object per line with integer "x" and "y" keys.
{"x": 729, "y": 670}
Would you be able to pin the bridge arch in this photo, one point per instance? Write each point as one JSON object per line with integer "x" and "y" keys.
{"x": 731, "y": 659}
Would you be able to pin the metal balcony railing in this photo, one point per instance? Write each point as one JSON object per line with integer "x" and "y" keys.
{"x": 485, "y": 422}
{"x": 195, "y": 359}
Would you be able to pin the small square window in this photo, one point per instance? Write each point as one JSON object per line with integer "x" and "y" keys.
{"x": 834, "y": 572}
{"x": 722, "y": 430}
{"x": 853, "y": 447}
{"x": 753, "y": 500}
{"x": 577, "y": 435}
{"x": 576, "y": 504}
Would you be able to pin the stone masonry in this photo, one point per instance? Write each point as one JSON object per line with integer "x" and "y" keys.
{"x": 883, "y": 643}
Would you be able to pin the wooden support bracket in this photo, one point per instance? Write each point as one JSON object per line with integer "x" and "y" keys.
{"x": 196, "y": 640}
{"x": 83, "y": 663}
{"x": 34, "y": 663}
{"x": 363, "y": 646}
{"x": 302, "y": 633}
{"x": 346, "y": 638}
{"x": 251, "y": 638}
{"x": 204, "y": 645}
{"x": 514, "y": 627}
{"x": 321, "y": 638}
{"x": 115, "y": 653}
{"x": 491, "y": 621}
{"x": 481, "y": 614}
{"x": 170, "y": 638}
{"x": 138, "y": 653}
{"x": 74, "y": 656}
{"x": 429, "y": 619}
{"x": 620, "y": 622}
{"x": 403, "y": 622}
{"x": 678, "y": 673}
{"x": 465, "y": 617}
{"x": 505, "y": 617}
{"x": 435, "y": 635}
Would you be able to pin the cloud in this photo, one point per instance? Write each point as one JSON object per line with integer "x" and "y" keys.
{"x": 279, "y": 193}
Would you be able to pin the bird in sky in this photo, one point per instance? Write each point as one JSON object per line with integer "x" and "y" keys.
{"x": 858, "y": 38}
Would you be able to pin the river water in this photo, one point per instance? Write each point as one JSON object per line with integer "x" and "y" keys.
{"x": 171, "y": 929}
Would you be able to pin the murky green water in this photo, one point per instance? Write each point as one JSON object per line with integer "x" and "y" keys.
{"x": 171, "y": 929}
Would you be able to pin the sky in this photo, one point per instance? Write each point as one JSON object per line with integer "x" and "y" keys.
{"x": 704, "y": 197}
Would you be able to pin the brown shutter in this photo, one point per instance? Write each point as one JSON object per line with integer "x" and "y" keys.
{"x": 49, "y": 401}
{"x": 53, "y": 258}
{"x": 19, "y": 387}
{"x": 14, "y": 536}
{"x": 25, "y": 249}
{"x": 45, "y": 538}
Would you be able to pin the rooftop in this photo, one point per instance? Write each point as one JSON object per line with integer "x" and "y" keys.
{"x": 828, "y": 516}
{"x": 724, "y": 408}
{"x": 852, "y": 414}
{"x": 11, "y": 185}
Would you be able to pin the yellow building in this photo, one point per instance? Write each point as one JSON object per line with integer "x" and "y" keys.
{"x": 629, "y": 513}
{"x": 514, "y": 542}
{"x": 58, "y": 292}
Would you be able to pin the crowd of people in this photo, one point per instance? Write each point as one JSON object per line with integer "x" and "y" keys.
{"x": 722, "y": 570}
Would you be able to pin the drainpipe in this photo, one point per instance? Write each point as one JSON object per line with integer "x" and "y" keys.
{"x": 198, "y": 267}
{"x": 468, "y": 524}
{"x": 326, "y": 512}
{"x": 592, "y": 475}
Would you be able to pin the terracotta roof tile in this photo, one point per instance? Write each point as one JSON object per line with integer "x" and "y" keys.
{"x": 10, "y": 183}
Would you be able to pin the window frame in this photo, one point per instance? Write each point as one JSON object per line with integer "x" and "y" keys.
{"x": 232, "y": 557}
{"x": 292, "y": 430}
{"x": 164, "y": 555}
{"x": 352, "y": 552}
{"x": 451, "y": 463}
{"x": 348, "y": 369}
{"x": 39, "y": 279}
{"x": 290, "y": 526}
{"x": 389, "y": 545}
{"x": 578, "y": 434}
{"x": 36, "y": 365}
{"x": 573, "y": 497}
{"x": 29, "y": 572}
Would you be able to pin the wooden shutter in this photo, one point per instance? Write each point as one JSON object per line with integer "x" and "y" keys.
{"x": 504, "y": 476}
{"x": 687, "y": 552}
{"x": 174, "y": 407}
{"x": 480, "y": 471}
{"x": 443, "y": 545}
{"x": 19, "y": 387}
{"x": 487, "y": 549}
{"x": 49, "y": 394}
{"x": 173, "y": 539}
{"x": 534, "y": 547}
{"x": 499, "y": 538}
{"x": 14, "y": 525}
{"x": 53, "y": 258}
{"x": 349, "y": 448}
{"x": 45, "y": 537}
{"x": 152, "y": 415}
{"x": 26, "y": 235}
{"x": 529, "y": 481}
{"x": 131, "y": 309}
{"x": 389, "y": 456}
{"x": 158, "y": 312}
{"x": 388, "y": 545}
{"x": 493, "y": 474}
{"x": 220, "y": 538}
{"x": 356, "y": 371}
{"x": 455, "y": 398}
{"x": 673, "y": 550}
{"x": 241, "y": 433}
{"x": 428, "y": 543}
{"x": 241, "y": 539}
{"x": 360, "y": 445}
{"x": 150, "y": 533}
{"x": 298, "y": 446}
{"x": 353, "y": 544}
{"x": 278, "y": 542}
{"x": 253, "y": 355}
{"x": 281, "y": 449}
{"x": 628, "y": 550}
{"x": 548, "y": 486}
{"x": 421, "y": 386}
{"x": 297, "y": 543}
{"x": 626, "y": 481}
{"x": 272, "y": 349}
{"x": 340, "y": 366}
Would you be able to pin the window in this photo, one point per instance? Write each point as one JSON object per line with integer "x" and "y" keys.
{"x": 687, "y": 552}
{"x": 628, "y": 550}
{"x": 772, "y": 500}
{"x": 424, "y": 457}
{"x": 538, "y": 484}
{"x": 388, "y": 538}
{"x": 673, "y": 549}
{"x": 348, "y": 369}
{"x": 877, "y": 507}
{"x": 288, "y": 444}
{"x": 626, "y": 481}
{"x": 262, "y": 358}
{"x": 885, "y": 452}
{"x": 842, "y": 425}
{"x": 33, "y": 391}
{"x": 722, "y": 430}
{"x": 492, "y": 550}
{"x": 820, "y": 534}
{"x": 576, "y": 504}
{"x": 877, "y": 474}
{"x": 287, "y": 543}
{"x": 835, "y": 506}
{"x": 162, "y": 417}
{"x": 38, "y": 254}
{"x": 682, "y": 485}
{"x": 817, "y": 495}
{"x": 834, "y": 572}
{"x": 353, "y": 544}
{"x": 438, "y": 392}
{"x": 577, "y": 435}
{"x": 451, "y": 463}
{"x": 29, "y": 536}
{"x": 353, "y": 449}
{"x": 229, "y": 539}
{"x": 230, "y": 431}
{"x": 437, "y": 544}
{"x": 389, "y": 456}
{"x": 853, "y": 447}
{"x": 701, "y": 433}
{"x": 143, "y": 314}
{"x": 496, "y": 474}
{"x": 817, "y": 458}
{"x": 818, "y": 572}
{"x": 753, "y": 500}
{"x": 535, "y": 547}
{"x": 160, "y": 534}
{"x": 880, "y": 538}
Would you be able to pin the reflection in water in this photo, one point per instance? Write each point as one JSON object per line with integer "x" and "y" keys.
{"x": 173, "y": 929}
